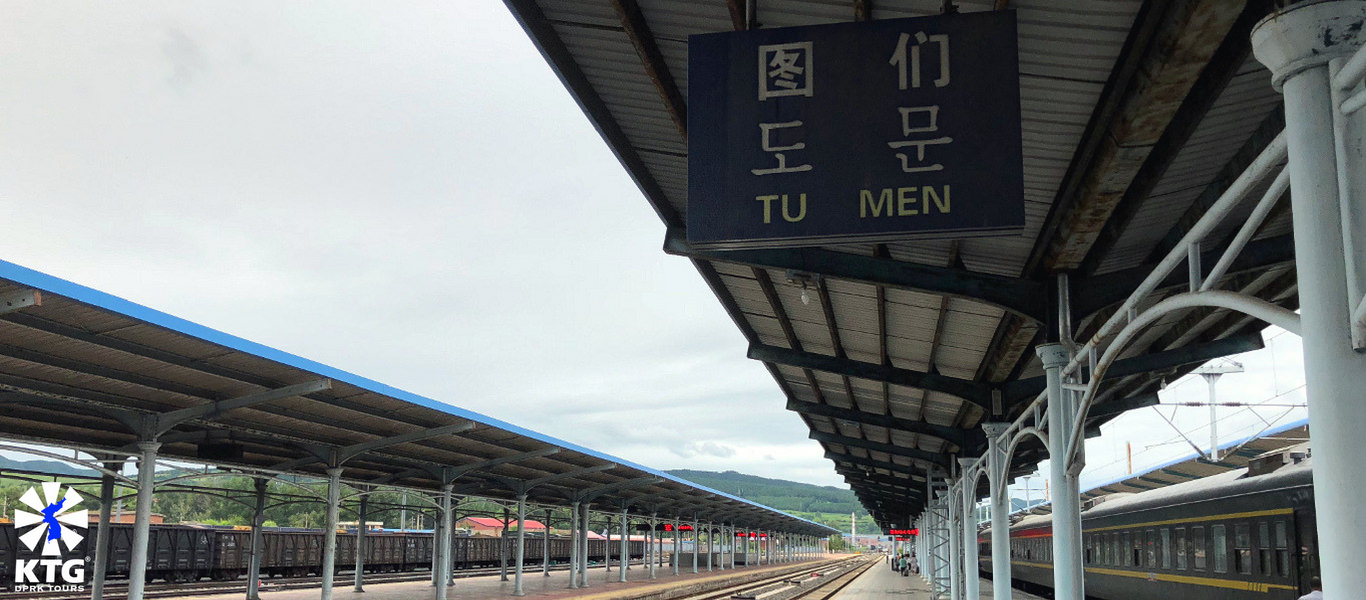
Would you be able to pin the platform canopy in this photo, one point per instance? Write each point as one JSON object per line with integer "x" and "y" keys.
{"x": 86, "y": 370}
{"x": 1233, "y": 455}
{"x": 1135, "y": 117}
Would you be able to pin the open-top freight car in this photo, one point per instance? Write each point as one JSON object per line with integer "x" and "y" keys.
{"x": 184, "y": 553}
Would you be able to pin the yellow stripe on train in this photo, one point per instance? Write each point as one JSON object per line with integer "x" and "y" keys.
{"x": 1232, "y": 584}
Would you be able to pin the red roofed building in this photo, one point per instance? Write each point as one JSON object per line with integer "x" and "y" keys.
{"x": 494, "y": 527}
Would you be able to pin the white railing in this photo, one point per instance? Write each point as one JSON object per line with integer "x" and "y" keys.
{"x": 1113, "y": 336}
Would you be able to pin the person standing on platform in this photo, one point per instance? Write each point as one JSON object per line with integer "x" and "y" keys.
{"x": 1316, "y": 585}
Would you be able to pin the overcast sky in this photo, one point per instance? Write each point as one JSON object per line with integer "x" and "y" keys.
{"x": 403, "y": 190}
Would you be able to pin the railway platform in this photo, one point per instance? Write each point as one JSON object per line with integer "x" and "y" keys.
{"x": 603, "y": 586}
{"x": 882, "y": 583}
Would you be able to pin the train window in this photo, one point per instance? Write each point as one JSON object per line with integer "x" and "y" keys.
{"x": 1138, "y": 549}
{"x": 1165, "y": 550}
{"x": 1242, "y": 547}
{"x": 1181, "y": 548}
{"x": 1218, "y": 535}
{"x": 1282, "y": 550}
{"x": 1198, "y": 548}
{"x": 1117, "y": 550}
{"x": 1125, "y": 546}
{"x": 1107, "y": 540}
{"x": 1150, "y": 540}
{"x": 1264, "y": 551}
{"x": 1090, "y": 549}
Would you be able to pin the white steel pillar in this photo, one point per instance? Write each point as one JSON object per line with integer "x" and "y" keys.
{"x": 258, "y": 520}
{"x": 329, "y": 566}
{"x": 360, "y": 544}
{"x": 711, "y": 546}
{"x": 573, "y": 545}
{"x": 503, "y": 547}
{"x": 972, "y": 579}
{"x": 999, "y": 478}
{"x": 695, "y": 543}
{"x": 625, "y": 548}
{"x": 955, "y": 546}
{"x": 583, "y": 552}
{"x": 721, "y": 554}
{"x": 676, "y": 545}
{"x": 650, "y": 542}
{"x": 545, "y": 546}
{"x": 441, "y": 545}
{"x": 1296, "y": 44}
{"x": 1067, "y": 564}
{"x": 436, "y": 544}
{"x": 142, "y": 519}
{"x": 521, "y": 545}
{"x": 102, "y": 534}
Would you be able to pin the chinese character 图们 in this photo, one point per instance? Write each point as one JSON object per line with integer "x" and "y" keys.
{"x": 907, "y": 128}
{"x": 785, "y": 70}
{"x": 900, "y": 60}
{"x": 767, "y": 136}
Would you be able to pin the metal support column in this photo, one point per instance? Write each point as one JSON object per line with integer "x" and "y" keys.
{"x": 998, "y": 478}
{"x": 503, "y": 547}
{"x": 329, "y": 566}
{"x": 955, "y": 545}
{"x": 1068, "y": 583}
{"x": 654, "y": 552}
{"x": 573, "y": 545}
{"x": 437, "y": 545}
{"x": 677, "y": 547}
{"x": 441, "y": 548}
{"x": 711, "y": 544}
{"x": 360, "y": 544}
{"x": 258, "y": 520}
{"x": 695, "y": 543}
{"x": 734, "y": 545}
{"x": 583, "y": 547}
{"x": 102, "y": 534}
{"x": 625, "y": 548}
{"x": 521, "y": 545}
{"x": 972, "y": 570}
{"x": 545, "y": 547}
{"x": 1296, "y": 44}
{"x": 721, "y": 550}
{"x": 142, "y": 519}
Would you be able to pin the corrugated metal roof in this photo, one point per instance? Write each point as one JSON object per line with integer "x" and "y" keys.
{"x": 1086, "y": 68}
{"x": 84, "y": 369}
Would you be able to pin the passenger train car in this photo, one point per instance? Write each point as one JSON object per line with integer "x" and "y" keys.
{"x": 184, "y": 553}
{"x": 1245, "y": 534}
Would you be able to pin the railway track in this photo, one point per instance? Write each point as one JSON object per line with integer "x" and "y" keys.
{"x": 117, "y": 589}
{"x": 808, "y": 582}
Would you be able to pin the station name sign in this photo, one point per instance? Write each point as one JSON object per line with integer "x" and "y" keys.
{"x": 855, "y": 132}
{"x": 904, "y": 532}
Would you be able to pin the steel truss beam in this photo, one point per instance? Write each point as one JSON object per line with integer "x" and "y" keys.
{"x": 1021, "y": 296}
{"x": 336, "y": 456}
{"x": 953, "y": 435}
{"x": 875, "y": 464}
{"x": 1027, "y": 389}
{"x": 971, "y": 391}
{"x": 915, "y": 453}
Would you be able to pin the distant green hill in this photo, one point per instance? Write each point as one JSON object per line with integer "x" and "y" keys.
{"x": 826, "y": 505}
{"x": 777, "y": 493}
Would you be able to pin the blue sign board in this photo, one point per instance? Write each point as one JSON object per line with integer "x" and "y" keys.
{"x": 855, "y": 132}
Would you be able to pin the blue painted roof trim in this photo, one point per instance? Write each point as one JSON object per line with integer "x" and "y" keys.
{"x": 55, "y": 285}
